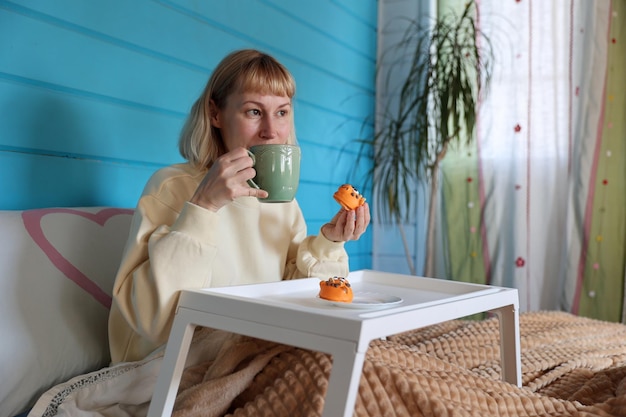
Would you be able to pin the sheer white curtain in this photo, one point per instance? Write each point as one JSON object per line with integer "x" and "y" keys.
{"x": 526, "y": 138}
{"x": 536, "y": 155}
{"x": 536, "y": 142}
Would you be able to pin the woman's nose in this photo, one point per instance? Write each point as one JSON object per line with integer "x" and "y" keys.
{"x": 268, "y": 130}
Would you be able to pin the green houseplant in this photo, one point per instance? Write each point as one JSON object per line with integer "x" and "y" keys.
{"x": 445, "y": 69}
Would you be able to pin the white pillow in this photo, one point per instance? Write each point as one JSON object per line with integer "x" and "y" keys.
{"x": 57, "y": 268}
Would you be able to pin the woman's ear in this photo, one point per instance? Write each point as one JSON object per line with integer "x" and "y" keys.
{"x": 214, "y": 114}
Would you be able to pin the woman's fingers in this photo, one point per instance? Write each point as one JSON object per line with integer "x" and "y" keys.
{"x": 348, "y": 225}
{"x": 226, "y": 180}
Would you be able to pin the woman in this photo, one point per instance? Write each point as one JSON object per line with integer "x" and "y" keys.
{"x": 199, "y": 224}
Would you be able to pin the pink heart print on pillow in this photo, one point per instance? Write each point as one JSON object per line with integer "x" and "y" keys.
{"x": 75, "y": 241}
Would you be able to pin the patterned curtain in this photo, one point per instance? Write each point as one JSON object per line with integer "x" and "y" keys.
{"x": 538, "y": 201}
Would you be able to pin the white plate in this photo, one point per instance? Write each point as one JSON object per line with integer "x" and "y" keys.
{"x": 368, "y": 300}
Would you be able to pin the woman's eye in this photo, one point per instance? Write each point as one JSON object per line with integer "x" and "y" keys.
{"x": 282, "y": 113}
{"x": 253, "y": 112}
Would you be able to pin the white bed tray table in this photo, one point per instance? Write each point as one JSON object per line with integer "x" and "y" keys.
{"x": 290, "y": 312}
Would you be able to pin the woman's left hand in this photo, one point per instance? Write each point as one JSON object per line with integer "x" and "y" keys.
{"x": 347, "y": 224}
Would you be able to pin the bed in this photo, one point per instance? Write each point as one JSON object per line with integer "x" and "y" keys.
{"x": 57, "y": 267}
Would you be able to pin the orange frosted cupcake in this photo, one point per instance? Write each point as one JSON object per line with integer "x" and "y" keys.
{"x": 348, "y": 197}
{"x": 336, "y": 289}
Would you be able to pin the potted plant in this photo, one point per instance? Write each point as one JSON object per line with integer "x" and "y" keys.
{"x": 446, "y": 67}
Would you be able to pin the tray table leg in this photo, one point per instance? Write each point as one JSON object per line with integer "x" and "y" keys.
{"x": 510, "y": 344}
{"x": 343, "y": 384}
{"x": 168, "y": 381}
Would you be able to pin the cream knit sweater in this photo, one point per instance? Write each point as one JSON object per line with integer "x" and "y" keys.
{"x": 175, "y": 245}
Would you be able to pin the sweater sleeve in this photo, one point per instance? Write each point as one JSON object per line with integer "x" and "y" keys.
{"x": 315, "y": 256}
{"x": 161, "y": 260}
{"x": 320, "y": 257}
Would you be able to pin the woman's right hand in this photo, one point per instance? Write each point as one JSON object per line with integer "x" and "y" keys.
{"x": 226, "y": 180}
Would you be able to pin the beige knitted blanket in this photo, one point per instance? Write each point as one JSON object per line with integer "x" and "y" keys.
{"x": 571, "y": 366}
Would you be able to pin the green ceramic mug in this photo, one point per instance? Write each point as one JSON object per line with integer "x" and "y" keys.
{"x": 277, "y": 171}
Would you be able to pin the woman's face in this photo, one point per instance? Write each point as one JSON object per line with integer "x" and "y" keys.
{"x": 250, "y": 119}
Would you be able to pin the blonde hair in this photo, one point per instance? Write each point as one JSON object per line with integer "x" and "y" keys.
{"x": 243, "y": 70}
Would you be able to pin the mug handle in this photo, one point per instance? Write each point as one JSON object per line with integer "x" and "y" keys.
{"x": 250, "y": 182}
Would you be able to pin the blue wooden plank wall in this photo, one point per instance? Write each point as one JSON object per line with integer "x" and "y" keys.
{"x": 394, "y": 17}
{"x": 93, "y": 93}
